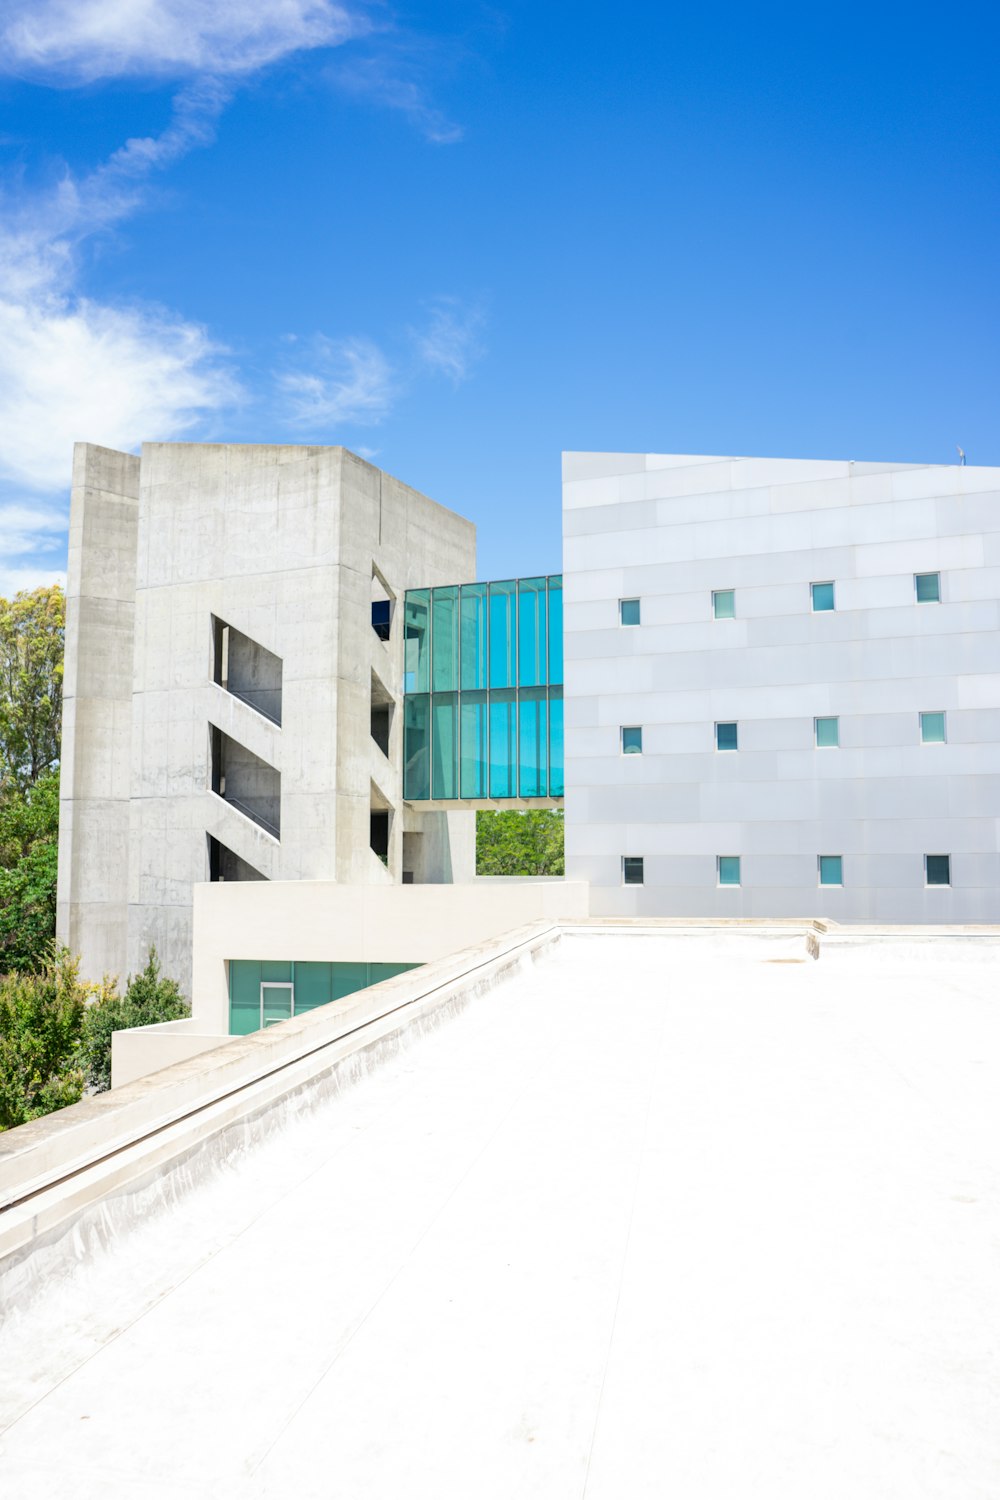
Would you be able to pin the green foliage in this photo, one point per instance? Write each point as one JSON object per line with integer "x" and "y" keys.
{"x": 148, "y": 998}
{"x": 40, "y": 1022}
{"x": 520, "y": 843}
{"x": 32, "y": 630}
{"x": 29, "y": 835}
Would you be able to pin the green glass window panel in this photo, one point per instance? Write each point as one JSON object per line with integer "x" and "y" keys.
{"x": 932, "y": 729}
{"x": 444, "y": 640}
{"x": 416, "y": 747}
{"x": 503, "y": 634}
{"x": 444, "y": 745}
{"x": 416, "y": 641}
{"x": 244, "y": 996}
{"x": 724, "y": 604}
{"x": 279, "y": 970}
{"x": 474, "y": 635}
{"x": 822, "y": 597}
{"x": 629, "y": 611}
{"x": 726, "y": 737}
{"x": 473, "y": 711}
{"x": 555, "y": 629}
{"x": 555, "y": 742}
{"x": 939, "y": 869}
{"x": 378, "y": 972}
{"x": 828, "y": 733}
{"x": 276, "y": 1002}
{"x": 831, "y": 869}
{"x": 348, "y": 978}
{"x": 632, "y": 870}
{"x": 503, "y": 744}
{"x": 631, "y": 739}
{"x": 532, "y": 662}
{"x": 928, "y": 588}
{"x": 533, "y": 743}
{"x": 729, "y": 869}
{"x": 313, "y": 986}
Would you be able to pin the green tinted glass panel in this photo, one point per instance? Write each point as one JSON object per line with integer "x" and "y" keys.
{"x": 827, "y": 733}
{"x": 474, "y": 635}
{"x": 533, "y": 743}
{"x": 932, "y": 729}
{"x": 629, "y": 611}
{"x": 555, "y": 629}
{"x": 444, "y": 744}
{"x": 312, "y": 986}
{"x": 416, "y": 641}
{"x": 276, "y": 970}
{"x": 503, "y": 635}
{"x": 725, "y": 737}
{"x": 831, "y": 869}
{"x": 555, "y": 742}
{"x": 416, "y": 747}
{"x": 348, "y": 978}
{"x": 378, "y": 972}
{"x": 631, "y": 739}
{"x": 244, "y": 996}
{"x": 729, "y": 869}
{"x": 444, "y": 640}
{"x": 503, "y": 744}
{"x": 275, "y": 1002}
{"x": 822, "y": 597}
{"x": 939, "y": 869}
{"x": 724, "y": 604}
{"x": 475, "y": 739}
{"x": 928, "y": 588}
{"x": 632, "y": 870}
{"x": 532, "y": 662}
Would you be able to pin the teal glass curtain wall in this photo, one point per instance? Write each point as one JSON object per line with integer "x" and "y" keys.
{"x": 311, "y": 985}
{"x": 483, "y": 672}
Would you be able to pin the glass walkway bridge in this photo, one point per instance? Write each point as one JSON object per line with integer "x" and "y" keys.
{"x": 483, "y": 705}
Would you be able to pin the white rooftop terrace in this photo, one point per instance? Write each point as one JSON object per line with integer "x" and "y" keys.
{"x": 658, "y": 1215}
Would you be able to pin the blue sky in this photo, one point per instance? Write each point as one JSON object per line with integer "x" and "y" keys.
{"x": 460, "y": 238}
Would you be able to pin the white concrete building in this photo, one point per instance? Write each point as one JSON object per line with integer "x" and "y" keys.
{"x": 782, "y": 687}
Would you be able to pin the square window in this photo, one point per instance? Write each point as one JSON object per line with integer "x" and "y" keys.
{"x": 932, "y": 729}
{"x": 725, "y": 737}
{"x": 828, "y": 733}
{"x": 822, "y": 597}
{"x": 631, "y": 739}
{"x": 937, "y": 868}
{"x": 729, "y": 869}
{"x": 631, "y": 870}
{"x": 928, "y": 586}
{"x": 628, "y": 611}
{"x": 724, "y": 604}
{"x": 831, "y": 869}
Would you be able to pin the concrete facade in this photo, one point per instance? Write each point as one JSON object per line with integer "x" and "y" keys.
{"x": 171, "y": 738}
{"x": 669, "y": 530}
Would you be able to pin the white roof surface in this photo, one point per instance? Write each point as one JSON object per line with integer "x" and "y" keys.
{"x": 661, "y": 1218}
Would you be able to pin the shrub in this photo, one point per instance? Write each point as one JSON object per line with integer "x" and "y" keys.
{"x": 40, "y": 1021}
{"x": 148, "y": 998}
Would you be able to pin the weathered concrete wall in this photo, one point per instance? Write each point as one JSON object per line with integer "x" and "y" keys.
{"x": 97, "y": 709}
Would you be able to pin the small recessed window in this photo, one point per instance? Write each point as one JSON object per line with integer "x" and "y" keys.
{"x": 831, "y": 869}
{"x": 729, "y": 869}
{"x": 928, "y": 587}
{"x": 937, "y": 868}
{"x": 725, "y": 736}
{"x": 631, "y": 870}
{"x": 822, "y": 597}
{"x": 629, "y": 611}
{"x": 724, "y": 604}
{"x": 631, "y": 739}
{"x": 932, "y": 731}
{"x": 827, "y": 733}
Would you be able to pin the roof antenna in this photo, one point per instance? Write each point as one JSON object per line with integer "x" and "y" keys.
{"x": 961, "y": 455}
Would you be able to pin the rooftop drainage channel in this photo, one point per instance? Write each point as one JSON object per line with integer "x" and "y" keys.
{"x": 40, "y": 1206}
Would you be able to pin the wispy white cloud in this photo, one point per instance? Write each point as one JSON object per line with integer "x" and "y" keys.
{"x": 391, "y": 78}
{"x": 337, "y": 382}
{"x": 30, "y": 531}
{"x": 87, "y": 40}
{"x": 451, "y": 340}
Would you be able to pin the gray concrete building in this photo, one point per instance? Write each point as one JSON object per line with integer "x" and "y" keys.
{"x": 234, "y": 673}
{"x": 782, "y": 687}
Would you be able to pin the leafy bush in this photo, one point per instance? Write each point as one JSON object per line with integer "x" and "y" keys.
{"x": 40, "y": 1022}
{"x": 29, "y": 846}
{"x": 148, "y": 998}
{"x": 520, "y": 843}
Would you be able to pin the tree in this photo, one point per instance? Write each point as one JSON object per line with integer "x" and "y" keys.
{"x": 32, "y": 632}
{"x": 29, "y": 838}
{"x": 40, "y": 1021}
{"x": 148, "y": 998}
{"x": 520, "y": 843}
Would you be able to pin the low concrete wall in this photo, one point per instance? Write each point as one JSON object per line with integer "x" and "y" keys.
{"x": 145, "y": 1049}
{"x": 326, "y": 921}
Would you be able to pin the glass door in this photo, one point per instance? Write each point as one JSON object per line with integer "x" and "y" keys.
{"x": 277, "y": 1003}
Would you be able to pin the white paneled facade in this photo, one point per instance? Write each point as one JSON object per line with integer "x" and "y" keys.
{"x": 670, "y": 530}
